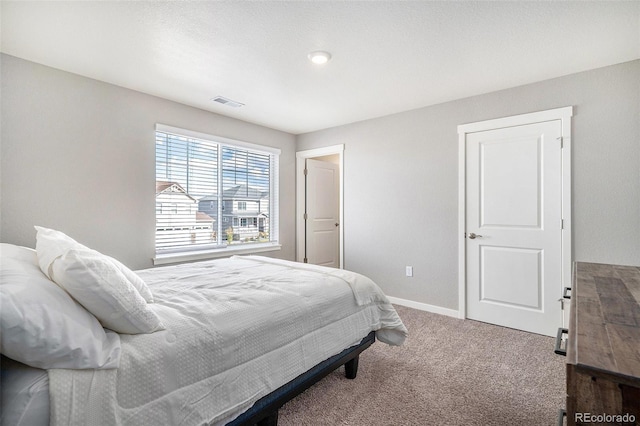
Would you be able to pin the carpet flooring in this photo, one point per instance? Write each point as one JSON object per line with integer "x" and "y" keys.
{"x": 448, "y": 372}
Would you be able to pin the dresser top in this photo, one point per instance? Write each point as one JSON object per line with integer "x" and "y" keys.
{"x": 604, "y": 333}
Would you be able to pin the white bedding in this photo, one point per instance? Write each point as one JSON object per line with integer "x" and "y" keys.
{"x": 236, "y": 329}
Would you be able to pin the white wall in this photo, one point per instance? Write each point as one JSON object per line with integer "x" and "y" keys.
{"x": 400, "y": 178}
{"x": 79, "y": 155}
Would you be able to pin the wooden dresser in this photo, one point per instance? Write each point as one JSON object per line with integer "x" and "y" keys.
{"x": 603, "y": 346}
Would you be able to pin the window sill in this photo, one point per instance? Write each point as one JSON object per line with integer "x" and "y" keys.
{"x": 190, "y": 256}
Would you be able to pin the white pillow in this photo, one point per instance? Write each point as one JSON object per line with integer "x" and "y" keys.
{"x": 137, "y": 282}
{"x": 41, "y": 325}
{"x": 103, "y": 290}
{"x": 51, "y": 244}
{"x": 23, "y": 254}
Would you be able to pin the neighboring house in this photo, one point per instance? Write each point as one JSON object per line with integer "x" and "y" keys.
{"x": 178, "y": 219}
{"x": 245, "y": 212}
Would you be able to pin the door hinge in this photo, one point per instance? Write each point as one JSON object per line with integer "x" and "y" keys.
{"x": 305, "y": 171}
{"x": 305, "y": 216}
{"x": 561, "y": 139}
{"x": 561, "y": 223}
{"x": 305, "y": 260}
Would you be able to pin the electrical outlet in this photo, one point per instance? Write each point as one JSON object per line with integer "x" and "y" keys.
{"x": 409, "y": 271}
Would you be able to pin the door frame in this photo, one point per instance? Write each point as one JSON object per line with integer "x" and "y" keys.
{"x": 301, "y": 156}
{"x": 563, "y": 114}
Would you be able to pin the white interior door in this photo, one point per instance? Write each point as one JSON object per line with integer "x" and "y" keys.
{"x": 514, "y": 226}
{"x": 322, "y": 213}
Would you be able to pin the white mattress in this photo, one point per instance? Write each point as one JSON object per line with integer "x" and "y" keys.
{"x": 24, "y": 394}
{"x": 236, "y": 329}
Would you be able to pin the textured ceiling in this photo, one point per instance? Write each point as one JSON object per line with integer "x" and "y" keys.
{"x": 388, "y": 56}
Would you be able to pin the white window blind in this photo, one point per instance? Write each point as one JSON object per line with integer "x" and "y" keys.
{"x": 213, "y": 193}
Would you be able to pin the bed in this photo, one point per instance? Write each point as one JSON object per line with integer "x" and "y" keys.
{"x": 235, "y": 339}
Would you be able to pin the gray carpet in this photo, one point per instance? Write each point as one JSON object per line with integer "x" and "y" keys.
{"x": 449, "y": 372}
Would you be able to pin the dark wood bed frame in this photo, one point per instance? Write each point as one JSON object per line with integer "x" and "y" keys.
{"x": 265, "y": 411}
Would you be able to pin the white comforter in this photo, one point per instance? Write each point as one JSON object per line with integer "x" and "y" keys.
{"x": 236, "y": 329}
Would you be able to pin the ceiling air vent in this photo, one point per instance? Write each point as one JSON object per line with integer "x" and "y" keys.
{"x": 227, "y": 102}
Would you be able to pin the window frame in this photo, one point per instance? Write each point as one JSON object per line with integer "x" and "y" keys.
{"x": 186, "y": 254}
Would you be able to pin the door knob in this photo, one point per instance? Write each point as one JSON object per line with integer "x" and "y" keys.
{"x": 337, "y": 224}
{"x": 473, "y": 236}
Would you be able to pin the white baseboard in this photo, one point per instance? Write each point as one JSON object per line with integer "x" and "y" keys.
{"x": 425, "y": 307}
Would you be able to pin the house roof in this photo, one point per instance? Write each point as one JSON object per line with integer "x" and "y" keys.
{"x": 242, "y": 192}
{"x": 203, "y": 217}
{"x": 246, "y": 214}
{"x": 163, "y": 186}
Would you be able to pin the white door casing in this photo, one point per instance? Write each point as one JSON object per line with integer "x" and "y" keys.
{"x": 335, "y": 151}
{"x": 322, "y": 214}
{"x": 515, "y": 255}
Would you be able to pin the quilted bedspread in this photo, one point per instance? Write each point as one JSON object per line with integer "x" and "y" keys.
{"x": 236, "y": 329}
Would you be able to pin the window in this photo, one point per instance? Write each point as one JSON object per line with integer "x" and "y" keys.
{"x": 196, "y": 175}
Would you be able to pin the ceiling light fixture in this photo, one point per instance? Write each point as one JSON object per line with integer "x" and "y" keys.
{"x": 319, "y": 57}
